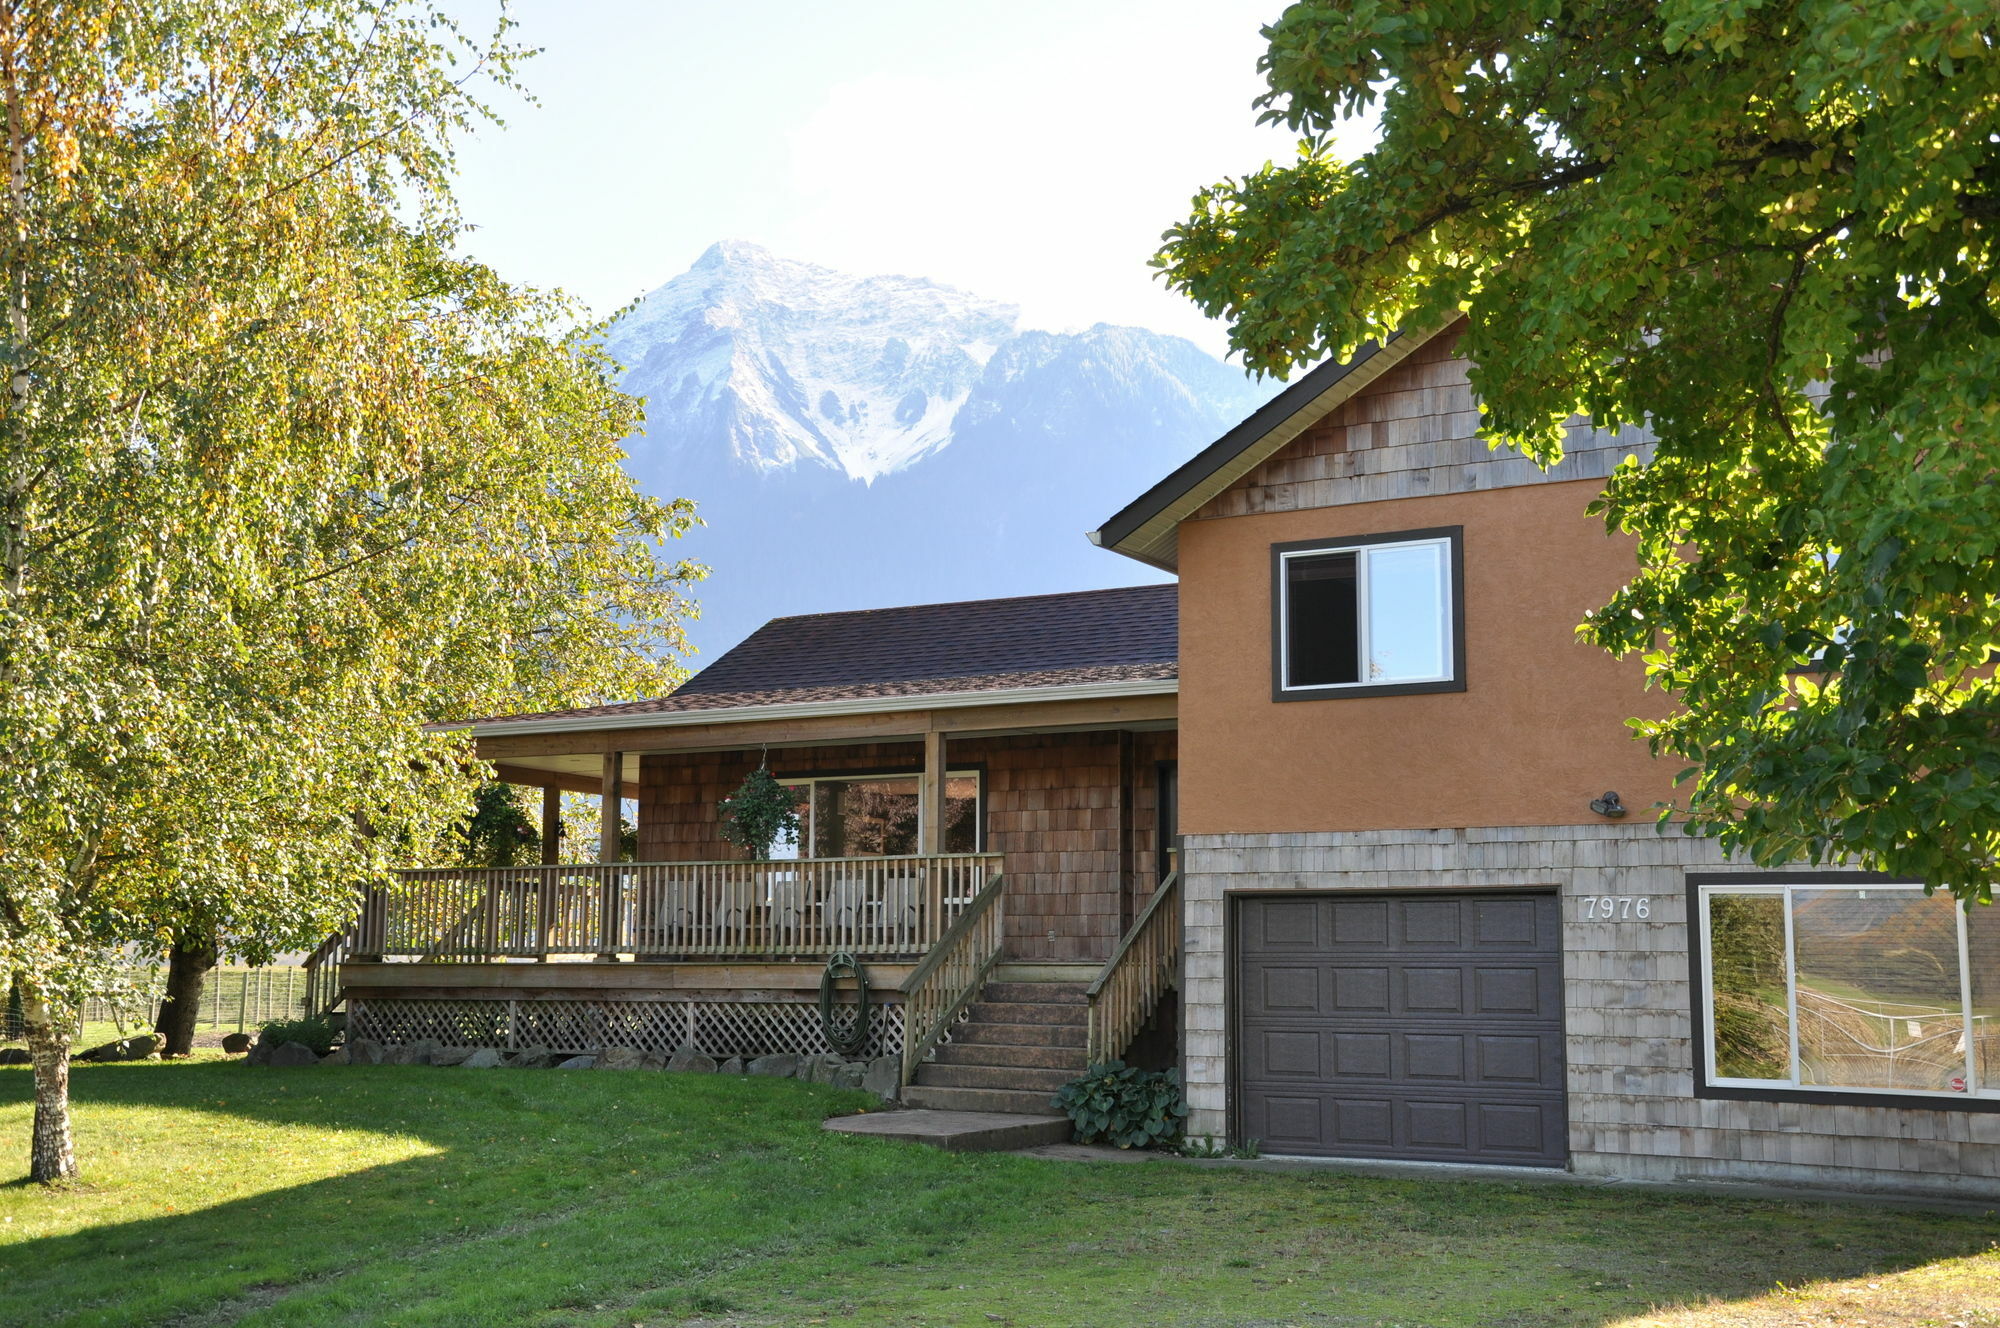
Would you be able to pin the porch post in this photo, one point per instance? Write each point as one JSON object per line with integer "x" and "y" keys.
{"x": 930, "y": 796}
{"x": 546, "y": 903}
{"x": 551, "y": 825}
{"x": 609, "y": 824}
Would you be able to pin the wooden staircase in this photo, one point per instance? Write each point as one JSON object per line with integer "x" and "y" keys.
{"x": 1019, "y": 1043}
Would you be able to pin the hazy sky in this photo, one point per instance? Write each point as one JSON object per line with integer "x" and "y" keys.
{"x": 1030, "y": 152}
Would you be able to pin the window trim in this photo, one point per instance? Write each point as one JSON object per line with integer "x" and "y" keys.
{"x": 974, "y": 770}
{"x": 1454, "y": 540}
{"x": 1980, "y": 1099}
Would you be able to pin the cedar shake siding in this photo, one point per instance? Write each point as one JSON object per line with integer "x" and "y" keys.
{"x": 1074, "y": 814}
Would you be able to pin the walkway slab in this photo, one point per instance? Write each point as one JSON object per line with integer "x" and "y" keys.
{"x": 957, "y": 1131}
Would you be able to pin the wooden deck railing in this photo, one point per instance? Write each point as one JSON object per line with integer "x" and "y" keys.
{"x": 805, "y": 908}
{"x": 322, "y": 968}
{"x": 1144, "y": 967}
{"x": 952, "y": 975}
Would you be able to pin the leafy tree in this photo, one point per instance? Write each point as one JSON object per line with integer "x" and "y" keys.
{"x": 1766, "y": 231}
{"x": 500, "y": 832}
{"x": 283, "y": 476}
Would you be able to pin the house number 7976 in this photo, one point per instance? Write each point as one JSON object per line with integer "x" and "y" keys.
{"x": 1618, "y": 907}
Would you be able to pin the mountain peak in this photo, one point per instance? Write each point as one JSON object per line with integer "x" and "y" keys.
{"x": 793, "y": 365}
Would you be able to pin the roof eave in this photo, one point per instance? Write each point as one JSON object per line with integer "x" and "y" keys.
{"x": 857, "y": 705}
{"x": 1146, "y": 528}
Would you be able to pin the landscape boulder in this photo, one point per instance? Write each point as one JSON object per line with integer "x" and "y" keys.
{"x": 820, "y": 1069}
{"x": 532, "y": 1058}
{"x": 238, "y": 1043}
{"x": 287, "y": 1055}
{"x": 688, "y": 1059}
{"x": 577, "y": 1063}
{"x": 365, "y": 1051}
{"x": 630, "y": 1058}
{"x": 484, "y": 1059}
{"x": 884, "y": 1077}
{"x": 734, "y": 1065}
{"x": 15, "y": 1056}
{"x": 125, "y": 1049}
{"x": 779, "y": 1065}
{"x": 450, "y": 1055}
{"x": 850, "y": 1075}
{"x": 412, "y": 1053}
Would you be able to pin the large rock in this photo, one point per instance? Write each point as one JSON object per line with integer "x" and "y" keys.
{"x": 238, "y": 1043}
{"x": 449, "y": 1056}
{"x": 820, "y": 1069}
{"x": 412, "y": 1053}
{"x": 365, "y": 1051}
{"x": 289, "y": 1054}
{"x": 125, "y": 1049}
{"x": 15, "y": 1056}
{"x": 884, "y": 1077}
{"x": 484, "y": 1059}
{"x": 850, "y": 1075}
{"x": 689, "y": 1059}
{"x": 532, "y": 1058}
{"x": 629, "y": 1058}
{"x": 577, "y": 1063}
{"x": 734, "y": 1065}
{"x": 778, "y": 1065}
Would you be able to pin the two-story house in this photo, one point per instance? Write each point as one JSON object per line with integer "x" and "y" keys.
{"x": 1429, "y": 910}
{"x": 1422, "y": 909}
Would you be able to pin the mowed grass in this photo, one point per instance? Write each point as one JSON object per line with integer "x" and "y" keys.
{"x": 220, "y": 1194}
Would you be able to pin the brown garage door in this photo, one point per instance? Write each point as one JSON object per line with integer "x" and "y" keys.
{"x": 1424, "y": 1026}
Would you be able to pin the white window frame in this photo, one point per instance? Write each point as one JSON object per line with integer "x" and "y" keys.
{"x": 1974, "y": 1089}
{"x": 809, "y": 782}
{"x": 1363, "y": 555}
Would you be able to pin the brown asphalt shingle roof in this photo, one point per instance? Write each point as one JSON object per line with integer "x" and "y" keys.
{"x": 1126, "y": 634}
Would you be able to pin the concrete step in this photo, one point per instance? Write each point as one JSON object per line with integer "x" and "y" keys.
{"x": 1016, "y": 1101}
{"x": 1030, "y": 1055}
{"x": 933, "y": 1074}
{"x": 985, "y": 1033}
{"x": 958, "y": 1131}
{"x": 1021, "y": 1012}
{"x": 1036, "y": 993}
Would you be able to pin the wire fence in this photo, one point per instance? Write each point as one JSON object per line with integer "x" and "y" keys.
{"x": 233, "y": 1000}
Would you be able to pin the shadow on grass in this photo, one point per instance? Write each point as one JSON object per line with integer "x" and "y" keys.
{"x": 563, "y": 1198}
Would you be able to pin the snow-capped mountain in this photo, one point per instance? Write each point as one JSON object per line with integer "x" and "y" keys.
{"x": 854, "y": 442}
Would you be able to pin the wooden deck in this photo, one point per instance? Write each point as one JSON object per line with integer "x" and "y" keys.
{"x": 872, "y": 908}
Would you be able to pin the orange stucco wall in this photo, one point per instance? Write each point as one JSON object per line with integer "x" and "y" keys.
{"x": 1538, "y": 732}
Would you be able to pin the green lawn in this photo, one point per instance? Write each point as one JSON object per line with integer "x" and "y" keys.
{"x": 221, "y": 1194}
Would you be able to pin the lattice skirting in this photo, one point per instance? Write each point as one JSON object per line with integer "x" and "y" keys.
{"x": 719, "y": 1028}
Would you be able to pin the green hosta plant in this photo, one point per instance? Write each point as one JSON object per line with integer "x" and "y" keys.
{"x": 1117, "y": 1104}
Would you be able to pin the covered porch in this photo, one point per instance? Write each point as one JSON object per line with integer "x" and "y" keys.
{"x": 1011, "y": 826}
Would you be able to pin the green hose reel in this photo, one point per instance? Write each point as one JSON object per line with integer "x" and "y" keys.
{"x": 849, "y": 1039}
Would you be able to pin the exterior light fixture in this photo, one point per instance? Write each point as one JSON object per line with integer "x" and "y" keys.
{"x": 1608, "y": 805}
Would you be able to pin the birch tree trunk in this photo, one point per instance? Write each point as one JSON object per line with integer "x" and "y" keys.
{"x": 52, "y": 1156}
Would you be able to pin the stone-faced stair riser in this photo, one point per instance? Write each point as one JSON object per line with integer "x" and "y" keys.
{"x": 985, "y": 1033}
{"x": 1029, "y": 1057}
{"x": 1013, "y": 1078}
{"x": 1028, "y": 1102}
{"x": 1035, "y": 993}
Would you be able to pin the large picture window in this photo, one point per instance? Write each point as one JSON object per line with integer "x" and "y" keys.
{"x": 1838, "y": 987}
{"x": 1369, "y": 616}
{"x": 872, "y": 816}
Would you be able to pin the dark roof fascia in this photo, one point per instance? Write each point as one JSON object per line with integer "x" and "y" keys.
{"x": 1227, "y": 448}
